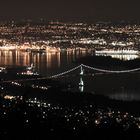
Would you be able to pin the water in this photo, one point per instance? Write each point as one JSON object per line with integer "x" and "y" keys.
{"x": 49, "y": 63}
{"x": 45, "y": 63}
{"x": 124, "y": 54}
{"x": 122, "y": 57}
{"x": 53, "y": 63}
{"x": 123, "y": 87}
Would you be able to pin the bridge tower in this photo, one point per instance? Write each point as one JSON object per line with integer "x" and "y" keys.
{"x": 81, "y": 83}
{"x": 82, "y": 71}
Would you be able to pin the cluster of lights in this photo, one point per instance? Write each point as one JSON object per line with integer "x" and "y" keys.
{"x": 111, "y": 51}
{"x": 73, "y": 34}
{"x": 35, "y": 101}
{"x": 75, "y": 117}
{"x": 2, "y": 69}
{"x": 28, "y": 73}
{"x": 39, "y": 87}
{"x": 85, "y": 115}
{"x": 91, "y": 41}
{"x": 10, "y": 97}
{"x": 16, "y": 84}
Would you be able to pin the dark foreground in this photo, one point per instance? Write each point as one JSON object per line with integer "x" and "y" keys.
{"x": 67, "y": 116}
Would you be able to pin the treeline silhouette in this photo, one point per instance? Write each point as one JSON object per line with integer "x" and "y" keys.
{"x": 108, "y": 61}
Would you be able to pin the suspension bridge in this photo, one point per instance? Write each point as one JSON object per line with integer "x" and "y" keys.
{"x": 82, "y": 68}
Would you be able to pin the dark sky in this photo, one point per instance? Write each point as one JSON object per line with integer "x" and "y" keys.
{"x": 71, "y": 9}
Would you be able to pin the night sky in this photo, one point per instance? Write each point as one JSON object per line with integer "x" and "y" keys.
{"x": 71, "y": 9}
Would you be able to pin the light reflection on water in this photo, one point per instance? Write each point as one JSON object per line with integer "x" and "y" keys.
{"x": 45, "y": 63}
{"x": 125, "y": 96}
{"x": 124, "y": 54}
{"x": 48, "y": 63}
{"x": 121, "y": 57}
{"x": 118, "y": 93}
{"x": 125, "y": 57}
